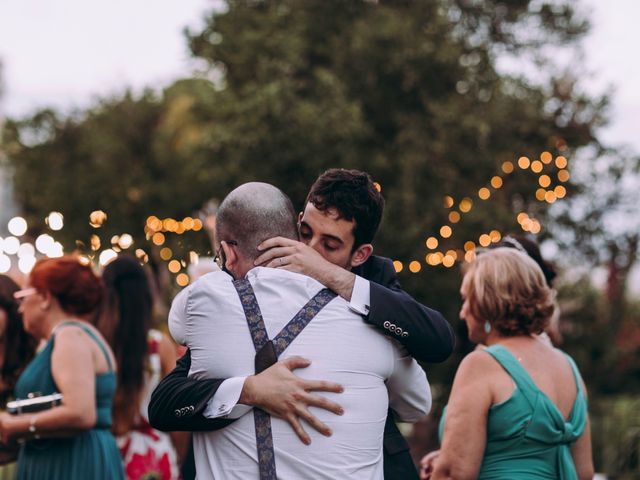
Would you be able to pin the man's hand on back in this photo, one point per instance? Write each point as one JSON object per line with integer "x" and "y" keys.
{"x": 280, "y": 252}
{"x": 282, "y": 394}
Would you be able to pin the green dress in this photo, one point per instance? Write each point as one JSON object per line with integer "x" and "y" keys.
{"x": 90, "y": 454}
{"x": 527, "y": 436}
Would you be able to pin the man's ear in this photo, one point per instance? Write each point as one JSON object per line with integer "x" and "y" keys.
{"x": 361, "y": 255}
{"x": 231, "y": 259}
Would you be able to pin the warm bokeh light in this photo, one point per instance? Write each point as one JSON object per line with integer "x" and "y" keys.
{"x": 174, "y": 266}
{"x": 524, "y": 162}
{"x": 25, "y": 264}
{"x": 535, "y": 227}
{"x": 561, "y": 162}
{"x": 495, "y": 236}
{"x": 496, "y": 182}
{"x": 550, "y": 196}
{"x": 470, "y": 256}
{"x": 17, "y": 226}
{"x": 484, "y": 240}
{"x": 465, "y": 204}
{"x": 451, "y": 253}
{"x": 158, "y": 238}
{"x": 397, "y": 265}
{"x": 445, "y": 231}
{"x": 454, "y": 217}
{"x": 377, "y": 186}
{"x": 560, "y": 191}
{"x": 469, "y": 245}
{"x": 182, "y": 280}
{"x": 166, "y": 254}
{"x": 26, "y": 250}
{"x": 197, "y": 225}
{"x": 507, "y": 167}
{"x": 546, "y": 157}
{"x": 55, "y": 220}
{"x": 544, "y": 181}
{"x": 484, "y": 193}
{"x": 11, "y": 245}
{"x": 188, "y": 223}
{"x": 432, "y": 242}
{"x": 5, "y": 263}
{"x": 415, "y": 267}
{"x": 97, "y": 218}
{"x": 44, "y": 243}
{"x": 448, "y": 202}
{"x": 125, "y": 241}
{"x": 448, "y": 261}
{"x": 106, "y": 256}
{"x": 154, "y": 223}
{"x": 142, "y": 255}
{"x": 522, "y": 217}
{"x": 536, "y": 166}
{"x": 540, "y": 194}
{"x": 563, "y": 175}
{"x": 94, "y": 242}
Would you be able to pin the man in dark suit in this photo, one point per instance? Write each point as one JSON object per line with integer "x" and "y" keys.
{"x": 341, "y": 216}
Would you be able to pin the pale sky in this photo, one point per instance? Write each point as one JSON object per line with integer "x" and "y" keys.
{"x": 68, "y": 52}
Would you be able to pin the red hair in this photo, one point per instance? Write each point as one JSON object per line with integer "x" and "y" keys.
{"x": 78, "y": 290}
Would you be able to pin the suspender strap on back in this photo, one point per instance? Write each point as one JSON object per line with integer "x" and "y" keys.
{"x": 267, "y": 352}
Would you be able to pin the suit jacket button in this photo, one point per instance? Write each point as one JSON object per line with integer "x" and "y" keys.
{"x": 386, "y": 324}
{"x": 191, "y": 408}
{"x": 177, "y": 413}
{"x": 405, "y": 334}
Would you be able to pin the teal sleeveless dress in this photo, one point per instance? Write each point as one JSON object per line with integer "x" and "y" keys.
{"x": 527, "y": 436}
{"x": 90, "y": 454}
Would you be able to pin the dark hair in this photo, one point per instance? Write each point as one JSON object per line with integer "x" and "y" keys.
{"x": 19, "y": 346}
{"x": 125, "y": 322}
{"x": 73, "y": 284}
{"x": 354, "y": 196}
{"x": 531, "y": 248}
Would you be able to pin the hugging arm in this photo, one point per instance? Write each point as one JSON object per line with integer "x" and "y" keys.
{"x": 424, "y": 332}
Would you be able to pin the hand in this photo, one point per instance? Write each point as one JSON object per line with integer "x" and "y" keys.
{"x": 427, "y": 464}
{"x": 6, "y": 433}
{"x": 282, "y": 394}
{"x": 294, "y": 256}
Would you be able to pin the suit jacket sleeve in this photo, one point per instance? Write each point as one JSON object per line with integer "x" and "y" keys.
{"x": 424, "y": 332}
{"x": 177, "y": 402}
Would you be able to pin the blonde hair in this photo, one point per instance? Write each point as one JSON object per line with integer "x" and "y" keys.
{"x": 507, "y": 288}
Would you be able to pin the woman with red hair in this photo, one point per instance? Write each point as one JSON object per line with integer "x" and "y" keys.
{"x": 73, "y": 440}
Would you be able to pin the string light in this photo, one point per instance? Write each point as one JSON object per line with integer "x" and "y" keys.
{"x": 415, "y": 266}
{"x": 445, "y": 231}
{"x": 432, "y": 242}
{"x": 561, "y": 162}
{"x": 484, "y": 193}
{"x": 524, "y": 162}
{"x": 454, "y": 217}
{"x": 397, "y": 265}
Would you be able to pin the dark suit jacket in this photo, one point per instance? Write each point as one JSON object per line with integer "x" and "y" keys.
{"x": 178, "y": 402}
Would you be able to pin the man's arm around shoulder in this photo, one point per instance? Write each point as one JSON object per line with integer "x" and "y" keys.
{"x": 178, "y": 402}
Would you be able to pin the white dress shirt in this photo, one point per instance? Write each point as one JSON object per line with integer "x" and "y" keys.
{"x": 208, "y": 318}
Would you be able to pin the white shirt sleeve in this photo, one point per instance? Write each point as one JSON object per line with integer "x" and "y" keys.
{"x": 224, "y": 403}
{"x": 178, "y": 317}
{"x": 409, "y": 391}
{"x": 360, "y": 296}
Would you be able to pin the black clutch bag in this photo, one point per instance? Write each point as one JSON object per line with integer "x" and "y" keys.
{"x": 35, "y": 402}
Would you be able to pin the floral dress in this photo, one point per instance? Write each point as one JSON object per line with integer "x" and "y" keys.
{"x": 148, "y": 453}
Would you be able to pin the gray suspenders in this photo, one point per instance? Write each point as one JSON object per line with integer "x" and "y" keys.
{"x": 267, "y": 353}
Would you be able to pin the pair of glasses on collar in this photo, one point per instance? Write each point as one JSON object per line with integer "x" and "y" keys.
{"x": 20, "y": 295}
{"x": 219, "y": 258}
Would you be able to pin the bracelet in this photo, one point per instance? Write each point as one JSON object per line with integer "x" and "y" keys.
{"x": 32, "y": 427}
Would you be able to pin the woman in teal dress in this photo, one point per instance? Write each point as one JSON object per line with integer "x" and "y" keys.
{"x": 73, "y": 440}
{"x": 518, "y": 408}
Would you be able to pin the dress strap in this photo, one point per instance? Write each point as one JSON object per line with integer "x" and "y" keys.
{"x": 517, "y": 372}
{"x": 91, "y": 334}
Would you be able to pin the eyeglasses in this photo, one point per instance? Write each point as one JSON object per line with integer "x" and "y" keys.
{"x": 20, "y": 295}
{"x": 219, "y": 258}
